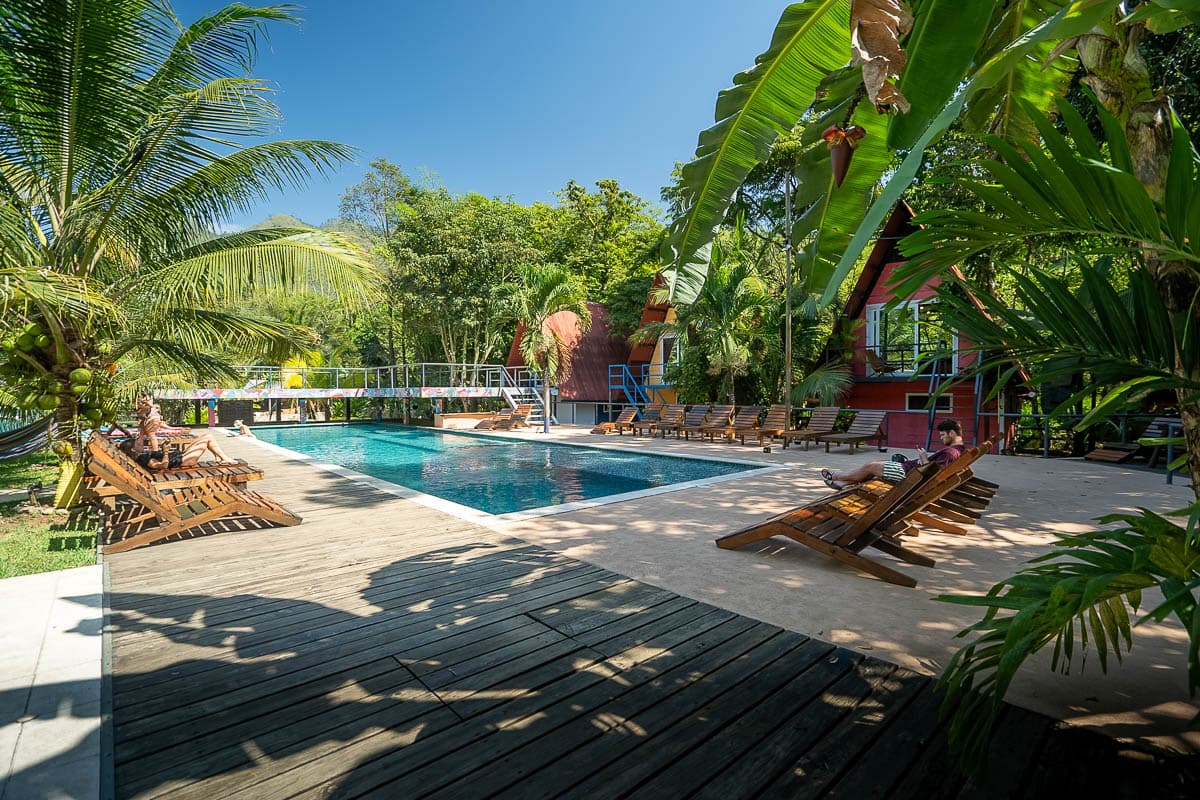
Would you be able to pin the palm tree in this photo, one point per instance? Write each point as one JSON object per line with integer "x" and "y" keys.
{"x": 545, "y": 290}
{"x": 126, "y": 140}
{"x": 723, "y": 319}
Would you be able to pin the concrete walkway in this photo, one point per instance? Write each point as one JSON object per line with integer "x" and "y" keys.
{"x": 50, "y": 673}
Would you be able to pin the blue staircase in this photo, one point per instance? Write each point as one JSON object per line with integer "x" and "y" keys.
{"x": 622, "y": 379}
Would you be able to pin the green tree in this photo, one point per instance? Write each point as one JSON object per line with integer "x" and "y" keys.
{"x": 725, "y": 320}
{"x": 546, "y": 290}
{"x": 378, "y": 207}
{"x": 123, "y": 146}
{"x": 457, "y": 255}
{"x": 607, "y": 238}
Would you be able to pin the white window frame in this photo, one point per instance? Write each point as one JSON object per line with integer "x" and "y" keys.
{"x": 924, "y": 398}
{"x": 873, "y": 313}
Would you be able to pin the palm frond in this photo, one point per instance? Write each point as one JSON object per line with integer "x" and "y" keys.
{"x": 57, "y": 294}
{"x": 1073, "y": 20}
{"x": 1068, "y": 189}
{"x": 829, "y": 383}
{"x": 1081, "y": 593}
{"x": 166, "y": 356}
{"x": 215, "y": 45}
{"x": 1033, "y": 78}
{"x": 1126, "y": 341}
{"x": 249, "y": 339}
{"x": 811, "y": 40}
{"x": 318, "y": 261}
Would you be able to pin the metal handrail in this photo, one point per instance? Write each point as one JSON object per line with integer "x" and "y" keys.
{"x": 491, "y": 376}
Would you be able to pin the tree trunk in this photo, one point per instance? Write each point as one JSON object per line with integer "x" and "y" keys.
{"x": 1119, "y": 76}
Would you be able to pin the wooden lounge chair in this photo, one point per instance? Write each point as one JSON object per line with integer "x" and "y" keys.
{"x": 623, "y": 419}
{"x": 745, "y": 419}
{"x": 669, "y": 420}
{"x": 154, "y": 515}
{"x": 865, "y": 426}
{"x": 101, "y": 450}
{"x": 693, "y": 420}
{"x": 949, "y": 500}
{"x": 773, "y": 424}
{"x": 845, "y": 523}
{"x": 649, "y": 416}
{"x": 1121, "y": 452}
{"x": 821, "y": 422}
{"x": 516, "y": 419}
{"x": 650, "y": 409}
{"x": 719, "y": 418}
{"x": 498, "y": 416}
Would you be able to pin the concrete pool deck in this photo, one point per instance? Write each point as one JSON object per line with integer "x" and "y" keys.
{"x": 667, "y": 540}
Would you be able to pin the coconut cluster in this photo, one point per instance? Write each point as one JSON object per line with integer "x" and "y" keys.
{"x": 40, "y": 379}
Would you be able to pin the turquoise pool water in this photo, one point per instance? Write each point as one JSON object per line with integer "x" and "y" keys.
{"x": 490, "y": 474}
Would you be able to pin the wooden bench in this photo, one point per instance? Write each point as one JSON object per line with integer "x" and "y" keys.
{"x": 950, "y": 500}
{"x": 745, "y": 419}
{"x": 516, "y": 419}
{"x": 775, "y": 423}
{"x": 625, "y": 418}
{"x": 100, "y": 449}
{"x": 693, "y": 421}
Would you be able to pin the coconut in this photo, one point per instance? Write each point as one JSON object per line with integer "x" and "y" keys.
{"x": 81, "y": 375}
{"x": 25, "y": 342}
{"x": 47, "y": 402}
{"x": 42, "y": 341}
{"x": 78, "y": 389}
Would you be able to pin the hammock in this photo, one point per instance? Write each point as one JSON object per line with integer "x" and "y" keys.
{"x": 26, "y": 439}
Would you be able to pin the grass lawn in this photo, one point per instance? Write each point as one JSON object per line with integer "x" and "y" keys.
{"x": 20, "y": 473}
{"x": 33, "y": 542}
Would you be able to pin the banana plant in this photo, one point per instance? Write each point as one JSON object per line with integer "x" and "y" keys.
{"x": 978, "y": 54}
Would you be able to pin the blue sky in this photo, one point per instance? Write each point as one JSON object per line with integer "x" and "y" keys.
{"x": 505, "y": 97}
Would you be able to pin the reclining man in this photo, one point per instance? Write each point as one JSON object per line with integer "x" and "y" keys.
{"x": 894, "y": 471}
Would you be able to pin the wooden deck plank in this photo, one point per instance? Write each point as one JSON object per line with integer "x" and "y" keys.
{"x": 645, "y": 759}
{"x": 689, "y": 773}
{"x": 496, "y": 771}
{"x": 840, "y": 749}
{"x": 434, "y": 762}
{"x": 385, "y": 649}
{"x": 156, "y": 711}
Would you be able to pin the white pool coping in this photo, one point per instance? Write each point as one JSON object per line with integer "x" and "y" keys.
{"x": 486, "y": 519}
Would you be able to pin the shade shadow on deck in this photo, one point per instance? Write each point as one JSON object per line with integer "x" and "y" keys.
{"x": 507, "y": 670}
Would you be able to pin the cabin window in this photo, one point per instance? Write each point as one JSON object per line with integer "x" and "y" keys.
{"x": 896, "y": 338}
{"x": 920, "y": 402}
{"x": 669, "y": 354}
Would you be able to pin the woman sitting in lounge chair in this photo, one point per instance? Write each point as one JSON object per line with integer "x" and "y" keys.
{"x": 894, "y": 471}
{"x": 155, "y": 456}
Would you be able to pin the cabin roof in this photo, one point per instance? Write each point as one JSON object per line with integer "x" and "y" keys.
{"x": 591, "y": 353}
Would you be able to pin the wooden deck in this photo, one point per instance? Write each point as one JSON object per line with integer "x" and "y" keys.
{"x": 383, "y": 649}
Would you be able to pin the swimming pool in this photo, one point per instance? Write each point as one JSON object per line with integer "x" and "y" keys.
{"x": 490, "y": 474}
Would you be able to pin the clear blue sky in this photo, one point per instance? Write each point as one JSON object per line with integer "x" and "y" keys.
{"x": 505, "y": 97}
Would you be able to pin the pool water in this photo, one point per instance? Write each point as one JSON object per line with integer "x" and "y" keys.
{"x": 490, "y": 474}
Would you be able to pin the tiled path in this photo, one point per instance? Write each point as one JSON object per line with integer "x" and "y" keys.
{"x": 50, "y": 673}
